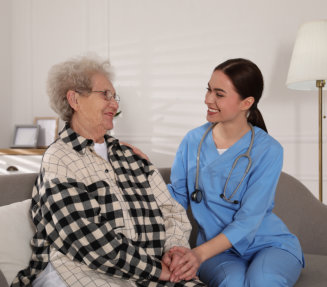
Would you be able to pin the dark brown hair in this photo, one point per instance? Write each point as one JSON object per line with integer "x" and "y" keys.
{"x": 248, "y": 82}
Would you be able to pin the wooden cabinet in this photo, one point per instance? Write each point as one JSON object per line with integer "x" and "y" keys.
{"x": 20, "y": 160}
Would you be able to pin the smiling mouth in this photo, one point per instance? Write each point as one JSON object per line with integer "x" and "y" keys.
{"x": 109, "y": 114}
{"x": 213, "y": 110}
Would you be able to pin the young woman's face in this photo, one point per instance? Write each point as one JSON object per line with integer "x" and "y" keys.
{"x": 224, "y": 103}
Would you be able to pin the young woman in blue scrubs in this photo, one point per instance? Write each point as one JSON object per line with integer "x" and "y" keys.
{"x": 240, "y": 242}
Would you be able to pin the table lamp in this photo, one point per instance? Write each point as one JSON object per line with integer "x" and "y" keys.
{"x": 308, "y": 71}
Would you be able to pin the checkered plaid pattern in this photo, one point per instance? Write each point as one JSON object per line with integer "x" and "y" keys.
{"x": 117, "y": 217}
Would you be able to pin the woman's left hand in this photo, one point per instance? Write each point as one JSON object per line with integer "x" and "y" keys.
{"x": 171, "y": 259}
{"x": 188, "y": 265}
{"x": 136, "y": 150}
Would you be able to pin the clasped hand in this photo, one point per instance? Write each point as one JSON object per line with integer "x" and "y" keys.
{"x": 180, "y": 263}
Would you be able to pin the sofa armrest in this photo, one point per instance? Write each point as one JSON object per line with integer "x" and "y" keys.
{"x": 303, "y": 214}
{"x": 16, "y": 187}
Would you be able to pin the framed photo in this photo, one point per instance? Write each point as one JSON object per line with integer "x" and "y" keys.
{"x": 48, "y": 130}
{"x": 25, "y": 136}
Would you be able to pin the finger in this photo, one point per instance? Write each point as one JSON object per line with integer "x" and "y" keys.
{"x": 172, "y": 267}
{"x": 183, "y": 269}
{"x": 184, "y": 259}
{"x": 135, "y": 150}
{"x": 141, "y": 154}
{"x": 166, "y": 259}
{"x": 175, "y": 257}
{"x": 190, "y": 278}
{"x": 181, "y": 249}
{"x": 175, "y": 262}
{"x": 189, "y": 275}
{"x": 174, "y": 278}
{"x": 126, "y": 144}
{"x": 172, "y": 253}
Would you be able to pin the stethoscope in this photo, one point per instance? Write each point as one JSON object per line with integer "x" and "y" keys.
{"x": 197, "y": 194}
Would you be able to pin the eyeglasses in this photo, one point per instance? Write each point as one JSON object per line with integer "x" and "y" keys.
{"x": 106, "y": 94}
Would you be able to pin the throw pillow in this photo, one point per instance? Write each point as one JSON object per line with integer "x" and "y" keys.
{"x": 16, "y": 232}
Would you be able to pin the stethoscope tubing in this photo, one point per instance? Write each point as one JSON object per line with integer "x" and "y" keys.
{"x": 197, "y": 194}
{"x": 198, "y": 155}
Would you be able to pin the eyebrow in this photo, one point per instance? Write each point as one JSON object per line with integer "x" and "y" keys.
{"x": 105, "y": 90}
{"x": 217, "y": 89}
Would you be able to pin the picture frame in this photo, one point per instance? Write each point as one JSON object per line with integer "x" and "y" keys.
{"x": 48, "y": 130}
{"x": 25, "y": 136}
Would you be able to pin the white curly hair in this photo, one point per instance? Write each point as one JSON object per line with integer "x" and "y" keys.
{"x": 74, "y": 74}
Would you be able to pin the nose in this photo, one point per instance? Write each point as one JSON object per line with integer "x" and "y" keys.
{"x": 113, "y": 103}
{"x": 210, "y": 98}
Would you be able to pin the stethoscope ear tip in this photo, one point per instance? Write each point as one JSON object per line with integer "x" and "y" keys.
{"x": 228, "y": 200}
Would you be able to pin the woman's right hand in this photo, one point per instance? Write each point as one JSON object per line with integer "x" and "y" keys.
{"x": 136, "y": 150}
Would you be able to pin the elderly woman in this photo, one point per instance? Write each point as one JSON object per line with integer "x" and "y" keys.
{"x": 102, "y": 214}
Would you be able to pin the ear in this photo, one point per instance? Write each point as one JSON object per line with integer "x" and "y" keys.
{"x": 72, "y": 98}
{"x": 247, "y": 103}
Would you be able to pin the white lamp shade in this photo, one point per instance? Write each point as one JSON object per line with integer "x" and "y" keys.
{"x": 309, "y": 58}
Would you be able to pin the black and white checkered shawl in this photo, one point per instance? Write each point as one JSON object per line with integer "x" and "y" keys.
{"x": 77, "y": 211}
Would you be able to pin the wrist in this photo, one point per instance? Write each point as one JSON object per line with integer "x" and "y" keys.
{"x": 165, "y": 273}
{"x": 200, "y": 253}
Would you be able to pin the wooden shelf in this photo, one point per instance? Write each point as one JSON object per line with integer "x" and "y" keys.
{"x": 22, "y": 151}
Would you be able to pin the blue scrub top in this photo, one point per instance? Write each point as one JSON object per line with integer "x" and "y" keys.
{"x": 249, "y": 225}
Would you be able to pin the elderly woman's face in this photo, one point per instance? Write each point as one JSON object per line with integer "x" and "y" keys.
{"x": 96, "y": 111}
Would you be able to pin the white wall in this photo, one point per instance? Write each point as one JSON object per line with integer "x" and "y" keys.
{"x": 163, "y": 53}
{"x": 44, "y": 33}
{"x": 5, "y": 73}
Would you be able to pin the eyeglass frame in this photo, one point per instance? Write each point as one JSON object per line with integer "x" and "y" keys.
{"x": 104, "y": 93}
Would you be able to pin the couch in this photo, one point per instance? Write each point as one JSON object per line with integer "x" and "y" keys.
{"x": 301, "y": 211}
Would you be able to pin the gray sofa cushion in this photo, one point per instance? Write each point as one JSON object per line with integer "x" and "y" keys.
{"x": 16, "y": 187}
{"x": 301, "y": 211}
{"x": 303, "y": 214}
{"x": 315, "y": 272}
{"x": 3, "y": 282}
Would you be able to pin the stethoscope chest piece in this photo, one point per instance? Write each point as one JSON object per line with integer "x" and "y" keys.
{"x": 197, "y": 196}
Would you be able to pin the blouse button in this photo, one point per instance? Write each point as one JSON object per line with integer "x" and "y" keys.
{"x": 106, "y": 171}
